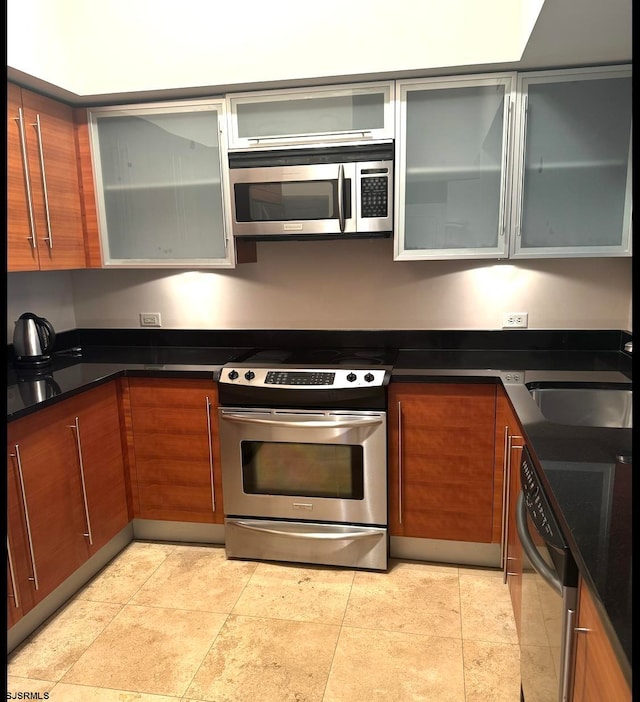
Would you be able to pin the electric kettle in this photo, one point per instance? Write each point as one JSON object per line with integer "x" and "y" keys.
{"x": 33, "y": 340}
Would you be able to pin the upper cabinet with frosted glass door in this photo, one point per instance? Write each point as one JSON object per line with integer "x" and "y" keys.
{"x": 452, "y": 165}
{"x": 572, "y": 175}
{"x": 161, "y": 184}
{"x": 307, "y": 116}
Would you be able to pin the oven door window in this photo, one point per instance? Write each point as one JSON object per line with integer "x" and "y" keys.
{"x": 290, "y": 201}
{"x": 303, "y": 469}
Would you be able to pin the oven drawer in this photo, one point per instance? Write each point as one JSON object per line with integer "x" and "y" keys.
{"x": 307, "y": 542}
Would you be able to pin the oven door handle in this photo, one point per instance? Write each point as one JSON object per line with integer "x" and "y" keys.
{"x": 318, "y": 535}
{"x": 530, "y": 551}
{"x": 301, "y": 424}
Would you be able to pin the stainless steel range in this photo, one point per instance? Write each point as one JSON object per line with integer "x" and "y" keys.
{"x": 304, "y": 457}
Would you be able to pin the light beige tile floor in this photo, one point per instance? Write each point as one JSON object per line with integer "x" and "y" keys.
{"x": 166, "y": 622}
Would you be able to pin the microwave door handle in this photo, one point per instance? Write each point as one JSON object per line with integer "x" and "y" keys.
{"x": 341, "y": 197}
{"x": 530, "y": 551}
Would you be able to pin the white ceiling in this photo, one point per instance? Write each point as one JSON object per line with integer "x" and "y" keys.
{"x": 125, "y": 50}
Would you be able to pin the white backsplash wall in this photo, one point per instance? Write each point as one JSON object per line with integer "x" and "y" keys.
{"x": 356, "y": 285}
{"x": 48, "y": 294}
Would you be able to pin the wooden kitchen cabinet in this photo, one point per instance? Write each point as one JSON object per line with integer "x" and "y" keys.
{"x": 44, "y": 217}
{"x": 597, "y": 673}
{"x": 45, "y": 492}
{"x": 452, "y": 165}
{"x": 99, "y": 445}
{"x": 66, "y": 491}
{"x": 572, "y": 191}
{"x": 176, "y": 449}
{"x": 509, "y": 442}
{"x": 298, "y": 116}
{"x": 441, "y": 460}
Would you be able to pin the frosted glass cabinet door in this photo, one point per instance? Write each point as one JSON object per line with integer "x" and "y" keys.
{"x": 451, "y": 161}
{"x": 574, "y": 169}
{"x": 302, "y": 116}
{"x": 160, "y": 182}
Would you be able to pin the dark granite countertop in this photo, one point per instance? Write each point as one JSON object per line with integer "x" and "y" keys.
{"x": 602, "y": 549}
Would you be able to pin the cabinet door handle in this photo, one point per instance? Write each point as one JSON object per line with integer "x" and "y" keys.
{"x": 45, "y": 192}
{"x": 510, "y": 438}
{"x": 213, "y": 494}
{"x": 16, "y": 455}
{"x": 581, "y": 630}
{"x": 14, "y": 587}
{"x": 76, "y": 427}
{"x": 505, "y": 497}
{"x": 27, "y": 179}
{"x": 503, "y": 219}
{"x": 400, "y": 462}
{"x": 523, "y": 162}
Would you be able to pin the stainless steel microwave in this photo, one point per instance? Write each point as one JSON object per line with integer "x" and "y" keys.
{"x": 318, "y": 192}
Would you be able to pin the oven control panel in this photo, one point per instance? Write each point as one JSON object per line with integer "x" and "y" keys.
{"x": 316, "y": 378}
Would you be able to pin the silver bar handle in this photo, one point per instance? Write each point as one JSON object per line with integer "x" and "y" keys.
{"x": 530, "y": 551}
{"x": 399, "y": 461}
{"x": 503, "y": 225}
{"x": 341, "y": 197}
{"x": 351, "y": 424}
{"x": 45, "y": 192}
{"x": 14, "y": 587}
{"x": 210, "y": 438}
{"x": 505, "y": 497}
{"x": 510, "y": 446}
{"x": 26, "y": 517}
{"x": 27, "y": 179}
{"x": 76, "y": 427}
{"x": 567, "y": 657}
{"x": 523, "y": 162}
{"x": 312, "y": 137}
{"x": 342, "y": 536}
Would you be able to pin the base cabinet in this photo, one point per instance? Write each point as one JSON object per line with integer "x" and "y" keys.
{"x": 175, "y": 444}
{"x": 597, "y": 674}
{"x": 441, "y": 460}
{"x": 66, "y": 492}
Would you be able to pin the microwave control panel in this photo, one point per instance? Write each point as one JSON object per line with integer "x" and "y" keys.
{"x": 374, "y": 196}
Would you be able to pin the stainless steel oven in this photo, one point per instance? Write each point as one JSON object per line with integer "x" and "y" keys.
{"x": 340, "y": 191}
{"x": 305, "y": 483}
{"x": 549, "y": 594}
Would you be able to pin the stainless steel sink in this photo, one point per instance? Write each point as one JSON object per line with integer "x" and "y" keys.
{"x": 603, "y": 406}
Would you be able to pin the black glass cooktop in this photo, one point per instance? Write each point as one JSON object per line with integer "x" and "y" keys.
{"x": 314, "y": 357}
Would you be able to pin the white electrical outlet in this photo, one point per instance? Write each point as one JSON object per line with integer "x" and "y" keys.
{"x": 150, "y": 319}
{"x": 514, "y": 319}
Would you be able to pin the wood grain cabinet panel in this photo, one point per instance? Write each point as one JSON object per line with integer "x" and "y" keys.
{"x": 66, "y": 492}
{"x": 441, "y": 460}
{"x": 98, "y": 443}
{"x": 176, "y": 448}
{"x": 45, "y": 225}
{"x": 48, "y": 487}
{"x": 597, "y": 673}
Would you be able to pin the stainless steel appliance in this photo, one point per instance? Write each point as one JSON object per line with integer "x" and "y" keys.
{"x": 33, "y": 340}
{"x": 304, "y": 459}
{"x": 340, "y": 191}
{"x": 549, "y": 593}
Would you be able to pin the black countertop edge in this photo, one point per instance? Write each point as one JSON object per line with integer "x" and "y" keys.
{"x": 504, "y": 339}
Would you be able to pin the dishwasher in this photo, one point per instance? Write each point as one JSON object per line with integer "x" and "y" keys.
{"x": 549, "y": 594}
